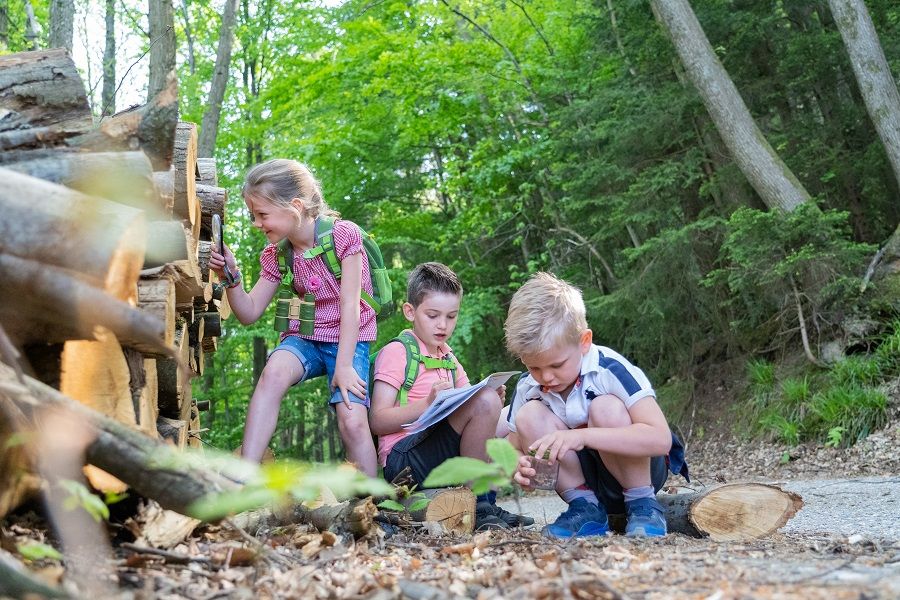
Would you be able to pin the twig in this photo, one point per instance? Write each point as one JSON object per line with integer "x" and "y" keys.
{"x": 870, "y": 271}
{"x": 261, "y": 548}
{"x": 803, "y": 335}
{"x": 10, "y": 355}
{"x": 128, "y": 70}
{"x": 171, "y": 557}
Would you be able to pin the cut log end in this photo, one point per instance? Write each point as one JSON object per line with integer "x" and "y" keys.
{"x": 453, "y": 508}
{"x": 743, "y": 511}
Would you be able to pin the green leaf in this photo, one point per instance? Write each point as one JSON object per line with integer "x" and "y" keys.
{"x": 216, "y": 506}
{"x": 38, "y": 551}
{"x": 459, "y": 470}
{"x": 419, "y": 504}
{"x": 391, "y": 505}
{"x": 503, "y": 453}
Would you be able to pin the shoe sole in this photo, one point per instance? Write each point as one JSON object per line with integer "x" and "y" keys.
{"x": 590, "y": 529}
{"x": 641, "y": 532}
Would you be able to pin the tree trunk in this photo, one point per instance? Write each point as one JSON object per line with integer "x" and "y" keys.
{"x": 730, "y": 512}
{"x": 209, "y": 127}
{"x": 150, "y": 127}
{"x": 43, "y": 99}
{"x": 188, "y": 36}
{"x": 108, "y": 98}
{"x": 100, "y": 240}
{"x": 259, "y": 358}
{"x": 30, "y": 26}
{"x": 770, "y": 177}
{"x": 4, "y": 23}
{"x": 453, "y": 508}
{"x": 872, "y": 74}
{"x": 123, "y": 177}
{"x": 879, "y": 92}
{"x": 147, "y": 465}
{"x": 62, "y": 18}
{"x": 162, "y": 45}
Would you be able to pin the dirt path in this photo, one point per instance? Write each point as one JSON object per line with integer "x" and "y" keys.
{"x": 845, "y": 543}
{"x": 868, "y": 506}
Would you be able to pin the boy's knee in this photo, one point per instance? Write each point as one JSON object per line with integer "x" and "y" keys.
{"x": 608, "y": 411}
{"x": 534, "y": 420}
{"x": 485, "y": 404}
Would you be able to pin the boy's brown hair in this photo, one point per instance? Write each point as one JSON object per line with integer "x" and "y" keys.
{"x": 543, "y": 312}
{"x": 431, "y": 277}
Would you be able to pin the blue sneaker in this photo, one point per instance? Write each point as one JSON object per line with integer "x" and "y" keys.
{"x": 646, "y": 518}
{"x": 581, "y": 519}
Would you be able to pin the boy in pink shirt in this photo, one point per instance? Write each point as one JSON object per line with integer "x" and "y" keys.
{"x": 433, "y": 296}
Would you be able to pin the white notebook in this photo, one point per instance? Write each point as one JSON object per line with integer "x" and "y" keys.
{"x": 449, "y": 400}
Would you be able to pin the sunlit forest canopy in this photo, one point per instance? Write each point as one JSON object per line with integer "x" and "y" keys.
{"x": 507, "y": 137}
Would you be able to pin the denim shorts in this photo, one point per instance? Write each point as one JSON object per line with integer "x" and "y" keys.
{"x": 318, "y": 358}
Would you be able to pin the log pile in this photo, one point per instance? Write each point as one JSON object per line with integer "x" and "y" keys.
{"x": 102, "y": 227}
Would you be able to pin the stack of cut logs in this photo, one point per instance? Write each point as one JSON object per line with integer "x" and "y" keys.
{"x": 106, "y": 292}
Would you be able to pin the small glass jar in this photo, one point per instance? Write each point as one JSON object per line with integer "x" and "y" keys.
{"x": 545, "y": 473}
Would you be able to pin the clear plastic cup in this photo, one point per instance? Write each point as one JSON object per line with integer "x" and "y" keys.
{"x": 545, "y": 474}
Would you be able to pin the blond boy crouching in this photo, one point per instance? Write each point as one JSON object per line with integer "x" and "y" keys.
{"x": 591, "y": 410}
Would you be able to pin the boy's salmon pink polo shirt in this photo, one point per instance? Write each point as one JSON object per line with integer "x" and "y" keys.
{"x": 390, "y": 367}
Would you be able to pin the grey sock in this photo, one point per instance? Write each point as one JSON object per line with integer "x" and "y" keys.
{"x": 581, "y": 491}
{"x": 637, "y": 493}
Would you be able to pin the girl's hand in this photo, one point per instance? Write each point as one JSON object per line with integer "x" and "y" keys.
{"x": 217, "y": 262}
{"x": 524, "y": 473}
{"x": 437, "y": 387}
{"x": 348, "y": 381}
{"x": 501, "y": 391}
{"x": 554, "y": 446}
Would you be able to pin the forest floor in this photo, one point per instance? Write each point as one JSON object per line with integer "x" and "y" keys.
{"x": 808, "y": 560}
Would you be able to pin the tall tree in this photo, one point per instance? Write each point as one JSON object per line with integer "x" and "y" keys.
{"x": 62, "y": 18}
{"x": 162, "y": 44}
{"x": 30, "y": 27}
{"x": 210, "y": 124}
{"x": 4, "y": 23}
{"x": 108, "y": 101}
{"x": 775, "y": 183}
{"x": 875, "y": 83}
{"x": 872, "y": 73}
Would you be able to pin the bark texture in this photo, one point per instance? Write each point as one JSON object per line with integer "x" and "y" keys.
{"x": 770, "y": 177}
{"x": 209, "y": 127}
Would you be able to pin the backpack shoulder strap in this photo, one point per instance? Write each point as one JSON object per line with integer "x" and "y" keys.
{"x": 324, "y": 230}
{"x": 413, "y": 360}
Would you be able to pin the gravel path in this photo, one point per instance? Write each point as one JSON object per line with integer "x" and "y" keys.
{"x": 866, "y": 506}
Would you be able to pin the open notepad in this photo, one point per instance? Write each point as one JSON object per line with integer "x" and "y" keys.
{"x": 449, "y": 400}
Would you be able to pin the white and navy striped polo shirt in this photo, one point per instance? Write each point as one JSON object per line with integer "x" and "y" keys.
{"x": 603, "y": 371}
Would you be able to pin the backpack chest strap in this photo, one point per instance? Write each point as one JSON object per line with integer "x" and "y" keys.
{"x": 414, "y": 358}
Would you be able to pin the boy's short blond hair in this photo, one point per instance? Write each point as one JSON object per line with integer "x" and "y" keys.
{"x": 544, "y": 312}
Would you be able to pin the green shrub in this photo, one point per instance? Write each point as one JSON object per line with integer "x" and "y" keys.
{"x": 857, "y": 410}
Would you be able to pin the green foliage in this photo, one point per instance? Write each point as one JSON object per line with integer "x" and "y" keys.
{"x": 416, "y": 500}
{"x": 284, "y": 482}
{"x": 839, "y": 407}
{"x": 481, "y": 476}
{"x": 546, "y": 138}
{"x": 37, "y": 551}
{"x": 81, "y": 497}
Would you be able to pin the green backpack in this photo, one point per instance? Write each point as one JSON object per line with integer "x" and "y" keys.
{"x": 414, "y": 358}
{"x": 290, "y": 307}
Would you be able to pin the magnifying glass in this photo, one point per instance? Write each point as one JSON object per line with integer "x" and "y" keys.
{"x": 219, "y": 244}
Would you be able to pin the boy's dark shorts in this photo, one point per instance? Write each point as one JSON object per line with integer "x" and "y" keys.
{"x": 608, "y": 490}
{"x": 423, "y": 451}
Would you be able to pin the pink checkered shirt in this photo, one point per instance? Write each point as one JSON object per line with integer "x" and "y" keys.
{"x": 347, "y": 241}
